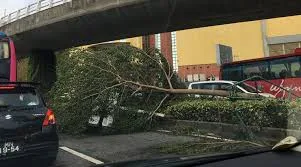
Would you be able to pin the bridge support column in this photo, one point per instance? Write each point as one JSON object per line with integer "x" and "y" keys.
{"x": 42, "y": 68}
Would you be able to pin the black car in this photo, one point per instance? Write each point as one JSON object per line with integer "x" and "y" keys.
{"x": 27, "y": 126}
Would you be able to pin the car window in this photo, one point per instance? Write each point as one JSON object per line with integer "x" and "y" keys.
{"x": 225, "y": 86}
{"x": 195, "y": 86}
{"x": 229, "y": 87}
{"x": 248, "y": 88}
{"x": 19, "y": 98}
{"x": 211, "y": 86}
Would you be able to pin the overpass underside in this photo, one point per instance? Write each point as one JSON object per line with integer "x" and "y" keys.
{"x": 84, "y": 22}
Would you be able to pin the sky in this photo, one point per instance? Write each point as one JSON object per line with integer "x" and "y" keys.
{"x": 13, "y": 5}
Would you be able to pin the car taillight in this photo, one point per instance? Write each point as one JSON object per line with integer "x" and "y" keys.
{"x": 49, "y": 119}
{"x": 7, "y": 87}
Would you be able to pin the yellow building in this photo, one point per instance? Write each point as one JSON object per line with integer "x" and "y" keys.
{"x": 193, "y": 52}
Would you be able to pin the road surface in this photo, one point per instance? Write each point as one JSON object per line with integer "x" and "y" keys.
{"x": 88, "y": 151}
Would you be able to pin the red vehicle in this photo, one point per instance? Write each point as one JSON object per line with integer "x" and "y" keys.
{"x": 8, "y": 62}
{"x": 283, "y": 70}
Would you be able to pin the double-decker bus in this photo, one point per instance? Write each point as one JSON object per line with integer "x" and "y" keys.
{"x": 8, "y": 62}
{"x": 282, "y": 70}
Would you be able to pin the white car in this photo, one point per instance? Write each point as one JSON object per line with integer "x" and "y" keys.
{"x": 227, "y": 86}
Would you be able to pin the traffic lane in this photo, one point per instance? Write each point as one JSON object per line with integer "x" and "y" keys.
{"x": 65, "y": 159}
{"x": 123, "y": 147}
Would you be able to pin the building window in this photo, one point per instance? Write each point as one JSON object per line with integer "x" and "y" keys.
{"x": 174, "y": 51}
{"x": 284, "y": 48}
{"x": 158, "y": 42}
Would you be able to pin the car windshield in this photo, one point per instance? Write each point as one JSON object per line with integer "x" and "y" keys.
{"x": 129, "y": 80}
{"x": 18, "y": 98}
{"x": 248, "y": 88}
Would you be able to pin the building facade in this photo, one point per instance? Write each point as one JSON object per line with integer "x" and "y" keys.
{"x": 193, "y": 53}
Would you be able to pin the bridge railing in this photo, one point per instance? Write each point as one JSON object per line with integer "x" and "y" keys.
{"x": 31, "y": 9}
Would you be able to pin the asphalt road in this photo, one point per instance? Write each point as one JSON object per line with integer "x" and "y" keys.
{"x": 91, "y": 150}
{"x": 66, "y": 159}
{"x": 111, "y": 148}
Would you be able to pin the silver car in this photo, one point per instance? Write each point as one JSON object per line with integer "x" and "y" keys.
{"x": 227, "y": 86}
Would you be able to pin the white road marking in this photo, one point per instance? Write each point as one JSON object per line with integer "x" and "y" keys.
{"x": 164, "y": 131}
{"x": 83, "y": 156}
{"x": 216, "y": 138}
{"x": 212, "y": 137}
{"x": 198, "y": 135}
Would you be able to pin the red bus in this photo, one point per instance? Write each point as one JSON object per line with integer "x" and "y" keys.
{"x": 8, "y": 62}
{"x": 283, "y": 70}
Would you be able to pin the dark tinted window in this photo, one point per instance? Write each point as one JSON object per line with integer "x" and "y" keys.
{"x": 296, "y": 69}
{"x": 256, "y": 69}
{"x": 285, "y": 68}
{"x": 232, "y": 72}
{"x": 273, "y": 69}
{"x": 19, "y": 97}
{"x": 4, "y": 50}
{"x": 229, "y": 87}
{"x": 225, "y": 86}
{"x": 211, "y": 86}
{"x": 195, "y": 86}
{"x": 247, "y": 87}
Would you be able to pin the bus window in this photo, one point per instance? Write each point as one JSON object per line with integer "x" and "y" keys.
{"x": 279, "y": 71}
{"x": 232, "y": 73}
{"x": 296, "y": 69}
{"x": 285, "y": 68}
{"x": 4, "y": 50}
{"x": 256, "y": 69}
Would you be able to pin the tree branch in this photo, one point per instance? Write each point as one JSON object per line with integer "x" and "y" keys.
{"x": 137, "y": 90}
{"x": 118, "y": 76}
{"x": 221, "y": 93}
{"x": 97, "y": 94}
{"x": 158, "y": 107}
{"x": 161, "y": 66}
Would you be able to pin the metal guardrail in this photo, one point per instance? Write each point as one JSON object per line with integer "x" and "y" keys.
{"x": 31, "y": 9}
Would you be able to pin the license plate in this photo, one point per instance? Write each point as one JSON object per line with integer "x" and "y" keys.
{"x": 9, "y": 147}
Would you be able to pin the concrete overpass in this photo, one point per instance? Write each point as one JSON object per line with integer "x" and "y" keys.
{"x": 81, "y": 22}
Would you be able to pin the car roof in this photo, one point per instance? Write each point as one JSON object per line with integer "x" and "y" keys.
{"x": 218, "y": 81}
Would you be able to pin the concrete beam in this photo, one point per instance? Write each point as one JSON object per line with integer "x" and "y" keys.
{"x": 85, "y": 22}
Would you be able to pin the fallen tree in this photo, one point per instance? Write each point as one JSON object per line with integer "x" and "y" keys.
{"x": 100, "y": 80}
